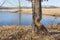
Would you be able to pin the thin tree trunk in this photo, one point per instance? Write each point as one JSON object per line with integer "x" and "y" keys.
{"x": 19, "y": 19}
{"x": 37, "y": 16}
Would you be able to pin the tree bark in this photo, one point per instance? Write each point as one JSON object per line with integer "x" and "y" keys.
{"x": 37, "y": 16}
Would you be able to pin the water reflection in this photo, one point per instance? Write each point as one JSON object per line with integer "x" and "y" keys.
{"x": 7, "y": 18}
{"x": 47, "y": 20}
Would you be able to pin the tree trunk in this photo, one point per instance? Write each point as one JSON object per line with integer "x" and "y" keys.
{"x": 37, "y": 16}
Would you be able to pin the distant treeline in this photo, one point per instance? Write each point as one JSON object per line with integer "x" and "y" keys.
{"x": 13, "y": 7}
{"x": 27, "y": 7}
{"x": 50, "y": 7}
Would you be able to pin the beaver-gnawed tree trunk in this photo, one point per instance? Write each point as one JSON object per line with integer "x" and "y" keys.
{"x": 37, "y": 16}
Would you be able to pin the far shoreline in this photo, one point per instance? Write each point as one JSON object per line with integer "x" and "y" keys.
{"x": 45, "y": 11}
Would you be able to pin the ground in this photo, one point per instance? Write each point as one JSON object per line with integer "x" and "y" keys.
{"x": 26, "y": 33}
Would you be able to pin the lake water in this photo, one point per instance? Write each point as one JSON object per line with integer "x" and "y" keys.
{"x": 7, "y": 18}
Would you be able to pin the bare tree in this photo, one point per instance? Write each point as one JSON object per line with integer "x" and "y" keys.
{"x": 37, "y": 16}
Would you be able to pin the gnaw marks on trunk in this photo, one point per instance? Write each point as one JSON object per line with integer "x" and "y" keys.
{"x": 39, "y": 27}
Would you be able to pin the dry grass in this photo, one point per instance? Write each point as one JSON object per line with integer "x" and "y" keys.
{"x": 51, "y": 11}
{"x": 45, "y": 11}
{"x": 26, "y": 33}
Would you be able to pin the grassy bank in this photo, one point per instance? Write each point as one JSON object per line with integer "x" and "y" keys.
{"x": 45, "y": 11}
{"x": 26, "y": 33}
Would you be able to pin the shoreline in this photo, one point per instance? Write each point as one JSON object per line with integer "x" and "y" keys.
{"x": 45, "y": 11}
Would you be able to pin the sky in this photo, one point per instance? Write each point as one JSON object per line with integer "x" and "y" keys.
{"x": 14, "y": 3}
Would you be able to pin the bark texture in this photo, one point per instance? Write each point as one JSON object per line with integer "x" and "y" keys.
{"x": 37, "y": 16}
